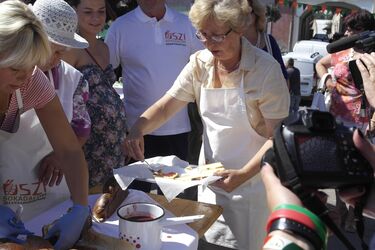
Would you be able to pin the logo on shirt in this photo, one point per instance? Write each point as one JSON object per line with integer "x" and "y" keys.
{"x": 175, "y": 38}
{"x": 22, "y": 193}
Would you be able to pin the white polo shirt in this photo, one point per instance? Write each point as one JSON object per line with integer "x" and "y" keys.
{"x": 152, "y": 54}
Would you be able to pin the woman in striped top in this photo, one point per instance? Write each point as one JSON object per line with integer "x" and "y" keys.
{"x": 25, "y": 95}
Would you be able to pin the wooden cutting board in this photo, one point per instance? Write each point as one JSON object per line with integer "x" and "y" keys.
{"x": 92, "y": 240}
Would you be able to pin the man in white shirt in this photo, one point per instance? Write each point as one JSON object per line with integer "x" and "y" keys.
{"x": 152, "y": 44}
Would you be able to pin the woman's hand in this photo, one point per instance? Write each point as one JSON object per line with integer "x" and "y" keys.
{"x": 230, "y": 180}
{"x": 276, "y": 193}
{"x": 134, "y": 145}
{"x": 330, "y": 85}
{"x": 11, "y": 226}
{"x": 50, "y": 171}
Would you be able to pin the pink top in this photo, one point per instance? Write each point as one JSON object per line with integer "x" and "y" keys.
{"x": 346, "y": 98}
{"x": 36, "y": 93}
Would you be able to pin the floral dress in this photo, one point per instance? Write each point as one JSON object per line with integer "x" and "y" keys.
{"x": 346, "y": 98}
{"x": 103, "y": 149}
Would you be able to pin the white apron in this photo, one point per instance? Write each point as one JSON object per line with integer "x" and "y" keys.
{"x": 67, "y": 84}
{"x": 20, "y": 154}
{"x": 230, "y": 139}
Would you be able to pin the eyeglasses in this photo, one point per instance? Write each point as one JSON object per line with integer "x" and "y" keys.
{"x": 216, "y": 38}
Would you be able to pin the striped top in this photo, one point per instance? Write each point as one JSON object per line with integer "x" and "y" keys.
{"x": 36, "y": 93}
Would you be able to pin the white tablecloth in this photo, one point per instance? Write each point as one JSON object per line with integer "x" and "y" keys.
{"x": 178, "y": 237}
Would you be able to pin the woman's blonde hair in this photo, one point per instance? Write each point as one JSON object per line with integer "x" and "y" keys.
{"x": 259, "y": 10}
{"x": 234, "y": 13}
{"x": 23, "y": 42}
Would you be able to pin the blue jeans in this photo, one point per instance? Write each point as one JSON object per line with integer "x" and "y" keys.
{"x": 294, "y": 103}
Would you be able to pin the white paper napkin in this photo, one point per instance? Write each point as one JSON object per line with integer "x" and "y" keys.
{"x": 170, "y": 187}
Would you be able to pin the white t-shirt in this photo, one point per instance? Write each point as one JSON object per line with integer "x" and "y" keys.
{"x": 152, "y": 54}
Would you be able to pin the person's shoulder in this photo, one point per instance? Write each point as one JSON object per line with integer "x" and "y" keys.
{"x": 38, "y": 84}
{"x": 103, "y": 47}
{"x": 119, "y": 22}
{"x": 74, "y": 56}
{"x": 178, "y": 15}
{"x": 263, "y": 56}
{"x": 69, "y": 71}
{"x": 38, "y": 77}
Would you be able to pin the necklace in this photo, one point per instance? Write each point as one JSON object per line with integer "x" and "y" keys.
{"x": 226, "y": 70}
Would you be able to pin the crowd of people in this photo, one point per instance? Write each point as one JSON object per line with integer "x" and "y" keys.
{"x": 64, "y": 127}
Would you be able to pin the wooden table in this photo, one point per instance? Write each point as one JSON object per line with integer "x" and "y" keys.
{"x": 182, "y": 207}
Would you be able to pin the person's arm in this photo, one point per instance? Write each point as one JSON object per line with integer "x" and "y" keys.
{"x": 277, "y": 194}
{"x": 112, "y": 42}
{"x": 322, "y": 67}
{"x": 81, "y": 122}
{"x": 67, "y": 149}
{"x": 49, "y": 169}
{"x": 151, "y": 119}
{"x": 234, "y": 178}
{"x": 366, "y": 65}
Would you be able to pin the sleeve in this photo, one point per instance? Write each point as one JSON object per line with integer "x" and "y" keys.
{"x": 40, "y": 91}
{"x": 182, "y": 89}
{"x": 81, "y": 122}
{"x": 112, "y": 41}
{"x": 274, "y": 102}
{"x": 277, "y": 55}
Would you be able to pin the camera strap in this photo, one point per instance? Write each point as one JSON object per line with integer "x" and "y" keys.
{"x": 312, "y": 202}
{"x": 363, "y": 105}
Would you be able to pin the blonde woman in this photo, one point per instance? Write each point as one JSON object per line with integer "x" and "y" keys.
{"x": 27, "y": 98}
{"x": 241, "y": 98}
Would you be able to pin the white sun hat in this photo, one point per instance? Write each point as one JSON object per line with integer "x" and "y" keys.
{"x": 60, "y": 22}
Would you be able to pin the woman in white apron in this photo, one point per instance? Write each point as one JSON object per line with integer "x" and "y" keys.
{"x": 27, "y": 97}
{"x": 241, "y": 98}
{"x": 72, "y": 90}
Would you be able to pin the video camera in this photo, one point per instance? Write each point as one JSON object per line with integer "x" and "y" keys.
{"x": 364, "y": 41}
{"x": 312, "y": 151}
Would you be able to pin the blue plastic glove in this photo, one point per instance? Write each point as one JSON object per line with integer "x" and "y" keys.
{"x": 10, "y": 228}
{"x": 69, "y": 227}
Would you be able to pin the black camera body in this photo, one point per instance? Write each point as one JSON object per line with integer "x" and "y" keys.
{"x": 313, "y": 151}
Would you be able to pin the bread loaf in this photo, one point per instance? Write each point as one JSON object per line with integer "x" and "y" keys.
{"x": 109, "y": 201}
{"x": 33, "y": 243}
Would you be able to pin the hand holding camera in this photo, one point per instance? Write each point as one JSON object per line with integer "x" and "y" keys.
{"x": 311, "y": 151}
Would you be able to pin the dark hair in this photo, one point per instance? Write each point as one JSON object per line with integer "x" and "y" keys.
{"x": 73, "y": 2}
{"x": 360, "y": 20}
{"x": 290, "y": 62}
